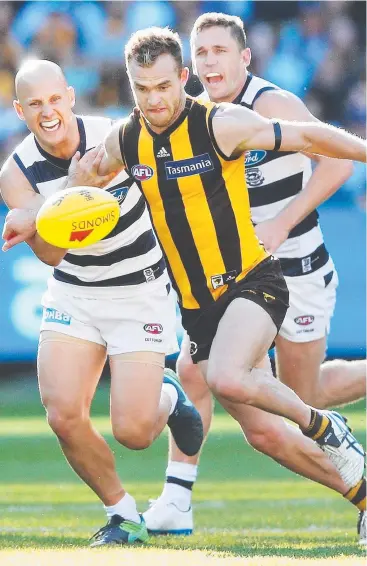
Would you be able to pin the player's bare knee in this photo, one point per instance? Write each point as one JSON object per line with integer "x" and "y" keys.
{"x": 185, "y": 370}
{"x": 231, "y": 384}
{"x": 331, "y": 368}
{"x": 135, "y": 435}
{"x": 64, "y": 422}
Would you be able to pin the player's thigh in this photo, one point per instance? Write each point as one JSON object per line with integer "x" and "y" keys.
{"x": 245, "y": 333}
{"x": 136, "y": 384}
{"x": 69, "y": 369}
{"x": 190, "y": 374}
{"x": 301, "y": 342}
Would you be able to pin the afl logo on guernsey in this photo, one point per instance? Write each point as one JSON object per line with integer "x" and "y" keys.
{"x": 142, "y": 172}
{"x": 254, "y": 157}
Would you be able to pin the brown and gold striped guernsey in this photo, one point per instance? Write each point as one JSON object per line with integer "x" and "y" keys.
{"x": 198, "y": 202}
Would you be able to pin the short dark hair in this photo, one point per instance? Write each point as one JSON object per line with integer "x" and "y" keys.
{"x": 211, "y": 19}
{"x": 145, "y": 46}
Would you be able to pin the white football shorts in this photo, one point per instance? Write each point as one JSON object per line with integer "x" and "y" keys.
{"x": 140, "y": 322}
{"x": 311, "y": 306}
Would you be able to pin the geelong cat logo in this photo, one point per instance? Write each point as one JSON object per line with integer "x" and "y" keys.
{"x": 254, "y": 177}
{"x": 304, "y": 320}
{"x": 254, "y": 157}
{"x": 142, "y": 172}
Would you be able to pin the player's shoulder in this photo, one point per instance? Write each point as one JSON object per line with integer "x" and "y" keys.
{"x": 24, "y": 155}
{"x": 25, "y": 147}
{"x": 98, "y": 124}
{"x": 273, "y": 101}
{"x": 95, "y": 120}
{"x": 202, "y": 97}
{"x": 203, "y": 104}
{"x": 281, "y": 104}
{"x": 131, "y": 120}
{"x": 260, "y": 84}
{"x": 12, "y": 175}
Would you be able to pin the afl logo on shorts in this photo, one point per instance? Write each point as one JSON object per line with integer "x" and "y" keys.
{"x": 304, "y": 320}
{"x": 142, "y": 172}
{"x": 153, "y": 328}
{"x": 193, "y": 348}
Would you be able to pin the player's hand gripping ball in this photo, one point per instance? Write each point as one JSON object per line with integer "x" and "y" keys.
{"x": 77, "y": 217}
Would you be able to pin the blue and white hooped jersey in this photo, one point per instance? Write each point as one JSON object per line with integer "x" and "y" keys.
{"x": 274, "y": 179}
{"x": 130, "y": 255}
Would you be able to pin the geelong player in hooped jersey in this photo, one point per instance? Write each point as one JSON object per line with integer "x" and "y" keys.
{"x": 112, "y": 298}
{"x": 283, "y": 194}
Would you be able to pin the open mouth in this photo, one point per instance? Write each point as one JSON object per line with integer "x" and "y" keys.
{"x": 51, "y": 125}
{"x": 213, "y": 78}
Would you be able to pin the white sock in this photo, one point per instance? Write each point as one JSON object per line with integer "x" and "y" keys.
{"x": 171, "y": 391}
{"x": 178, "y": 494}
{"x": 182, "y": 470}
{"x": 126, "y": 508}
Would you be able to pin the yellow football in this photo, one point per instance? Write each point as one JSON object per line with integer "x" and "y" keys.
{"x": 77, "y": 217}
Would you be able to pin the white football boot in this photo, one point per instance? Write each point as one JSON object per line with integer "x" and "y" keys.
{"x": 343, "y": 449}
{"x": 362, "y": 528}
{"x": 164, "y": 518}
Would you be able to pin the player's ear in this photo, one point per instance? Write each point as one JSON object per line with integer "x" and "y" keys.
{"x": 246, "y": 56}
{"x": 184, "y": 75}
{"x": 18, "y": 109}
{"x": 71, "y": 93}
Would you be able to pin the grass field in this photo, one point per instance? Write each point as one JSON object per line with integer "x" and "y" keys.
{"x": 248, "y": 509}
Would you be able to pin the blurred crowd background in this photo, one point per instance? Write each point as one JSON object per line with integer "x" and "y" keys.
{"x": 314, "y": 49}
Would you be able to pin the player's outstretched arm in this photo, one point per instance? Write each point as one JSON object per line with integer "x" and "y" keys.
{"x": 20, "y": 222}
{"x": 327, "y": 177}
{"x": 237, "y": 129}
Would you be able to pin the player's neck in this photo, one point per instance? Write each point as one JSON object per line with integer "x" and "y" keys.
{"x": 67, "y": 148}
{"x": 234, "y": 94}
{"x": 239, "y": 88}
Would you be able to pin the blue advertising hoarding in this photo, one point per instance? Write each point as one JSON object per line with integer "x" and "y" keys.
{"x": 23, "y": 280}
